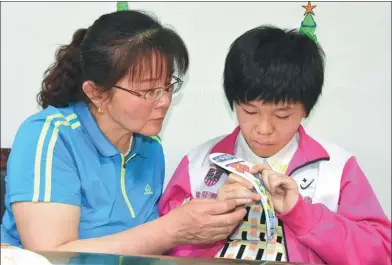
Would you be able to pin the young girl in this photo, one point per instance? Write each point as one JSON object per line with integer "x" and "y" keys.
{"x": 327, "y": 211}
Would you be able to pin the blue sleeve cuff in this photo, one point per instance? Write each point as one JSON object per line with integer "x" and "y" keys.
{"x": 73, "y": 199}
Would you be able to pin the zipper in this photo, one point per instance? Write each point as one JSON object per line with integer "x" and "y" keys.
{"x": 122, "y": 179}
{"x": 309, "y": 163}
{"x": 285, "y": 244}
{"x": 121, "y": 260}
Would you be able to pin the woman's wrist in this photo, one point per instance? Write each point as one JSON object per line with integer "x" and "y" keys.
{"x": 167, "y": 224}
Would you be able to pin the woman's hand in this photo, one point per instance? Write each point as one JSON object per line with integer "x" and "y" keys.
{"x": 238, "y": 188}
{"x": 203, "y": 221}
{"x": 283, "y": 189}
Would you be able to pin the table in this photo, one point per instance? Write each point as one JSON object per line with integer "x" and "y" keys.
{"x": 65, "y": 258}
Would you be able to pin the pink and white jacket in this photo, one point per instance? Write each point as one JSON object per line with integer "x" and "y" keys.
{"x": 343, "y": 224}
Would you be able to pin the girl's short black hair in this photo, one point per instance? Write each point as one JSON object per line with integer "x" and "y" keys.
{"x": 116, "y": 44}
{"x": 274, "y": 65}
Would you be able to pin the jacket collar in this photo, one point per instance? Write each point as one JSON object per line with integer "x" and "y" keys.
{"x": 308, "y": 151}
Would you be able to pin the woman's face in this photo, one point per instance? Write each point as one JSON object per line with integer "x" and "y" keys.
{"x": 267, "y": 128}
{"x": 133, "y": 113}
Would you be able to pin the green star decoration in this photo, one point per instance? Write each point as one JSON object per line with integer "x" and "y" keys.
{"x": 122, "y": 6}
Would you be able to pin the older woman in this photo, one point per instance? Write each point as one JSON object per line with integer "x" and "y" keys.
{"x": 86, "y": 172}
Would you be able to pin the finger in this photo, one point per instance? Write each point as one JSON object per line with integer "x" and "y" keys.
{"x": 218, "y": 207}
{"x": 265, "y": 177}
{"x": 241, "y": 202}
{"x": 237, "y": 186}
{"x": 233, "y": 187}
{"x": 259, "y": 168}
{"x": 234, "y": 178}
{"x": 228, "y": 219}
{"x": 280, "y": 184}
{"x": 274, "y": 182}
{"x": 279, "y": 191}
{"x": 242, "y": 193}
{"x": 227, "y": 191}
{"x": 202, "y": 201}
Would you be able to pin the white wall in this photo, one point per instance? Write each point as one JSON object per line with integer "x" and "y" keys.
{"x": 354, "y": 110}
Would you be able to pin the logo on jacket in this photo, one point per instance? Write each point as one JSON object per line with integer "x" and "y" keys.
{"x": 213, "y": 176}
{"x": 308, "y": 199}
{"x": 206, "y": 195}
{"x": 147, "y": 190}
{"x": 305, "y": 183}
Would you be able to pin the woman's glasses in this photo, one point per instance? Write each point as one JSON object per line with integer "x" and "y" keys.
{"x": 155, "y": 94}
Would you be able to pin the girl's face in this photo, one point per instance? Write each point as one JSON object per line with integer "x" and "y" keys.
{"x": 266, "y": 127}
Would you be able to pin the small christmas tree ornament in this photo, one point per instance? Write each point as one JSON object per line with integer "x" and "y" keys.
{"x": 122, "y": 6}
{"x": 308, "y": 25}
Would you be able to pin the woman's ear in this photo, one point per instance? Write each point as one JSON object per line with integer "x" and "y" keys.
{"x": 98, "y": 98}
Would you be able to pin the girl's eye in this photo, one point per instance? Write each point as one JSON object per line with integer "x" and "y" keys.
{"x": 283, "y": 117}
{"x": 249, "y": 112}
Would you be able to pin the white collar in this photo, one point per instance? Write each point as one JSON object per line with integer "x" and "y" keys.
{"x": 279, "y": 161}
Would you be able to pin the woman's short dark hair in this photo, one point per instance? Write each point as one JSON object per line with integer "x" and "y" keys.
{"x": 117, "y": 44}
{"x": 274, "y": 65}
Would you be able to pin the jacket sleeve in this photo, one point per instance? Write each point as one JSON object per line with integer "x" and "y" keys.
{"x": 177, "y": 192}
{"x": 358, "y": 233}
{"x": 41, "y": 165}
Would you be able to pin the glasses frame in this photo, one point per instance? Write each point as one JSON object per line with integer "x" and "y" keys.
{"x": 177, "y": 81}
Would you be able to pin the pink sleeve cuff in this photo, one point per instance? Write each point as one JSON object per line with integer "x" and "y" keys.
{"x": 302, "y": 218}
